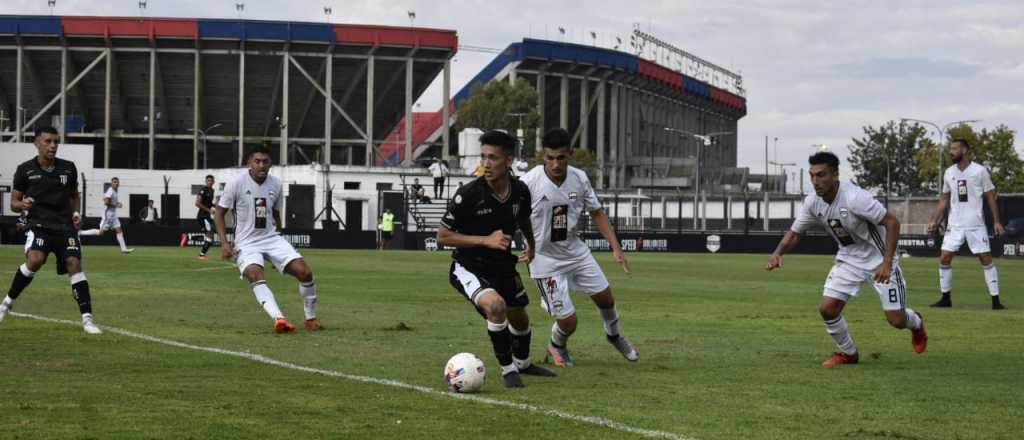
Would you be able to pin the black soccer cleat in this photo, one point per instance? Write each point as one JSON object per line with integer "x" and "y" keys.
{"x": 534, "y": 370}
{"x": 512, "y": 380}
{"x": 944, "y": 302}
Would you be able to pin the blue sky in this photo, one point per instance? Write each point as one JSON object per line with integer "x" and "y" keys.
{"x": 815, "y": 72}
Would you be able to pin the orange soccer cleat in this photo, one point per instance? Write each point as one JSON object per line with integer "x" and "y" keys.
{"x": 282, "y": 325}
{"x": 919, "y": 337}
{"x": 839, "y": 358}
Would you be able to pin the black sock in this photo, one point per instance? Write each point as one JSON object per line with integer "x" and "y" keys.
{"x": 502, "y": 342}
{"x": 80, "y": 291}
{"x": 995, "y": 300}
{"x": 206, "y": 247}
{"x": 19, "y": 283}
{"x": 945, "y": 296}
{"x": 521, "y": 345}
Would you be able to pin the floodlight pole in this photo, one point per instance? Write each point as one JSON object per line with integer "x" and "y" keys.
{"x": 941, "y": 132}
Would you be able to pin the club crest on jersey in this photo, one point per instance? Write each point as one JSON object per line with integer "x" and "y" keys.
{"x": 843, "y": 212}
{"x": 63, "y": 179}
{"x": 573, "y": 196}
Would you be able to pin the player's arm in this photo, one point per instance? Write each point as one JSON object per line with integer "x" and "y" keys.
{"x": 227, "y": 249}
{"x": 788, "y": 242}
{"x": 199, "y": 204}
{"x": 997, "y": 223}
{"x": 892, "y": 238}
{"x": 939, "y": 211}
{"x": 19, "y": 202}
{"x": 526, "y": 226}
{"x": 277, "y": 220}
{"x": 604, "y": 226}
{"x": 458, "y": 212}
{"x": 76, "y": 202}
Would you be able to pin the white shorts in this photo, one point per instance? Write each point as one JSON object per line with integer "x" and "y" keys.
{"x": 844, "y": 282}
{"x": 276, "y": 249}
{"x": 110, "y": 221}
{"x": 977, "y": 240}
{"x": 586, "y": 277}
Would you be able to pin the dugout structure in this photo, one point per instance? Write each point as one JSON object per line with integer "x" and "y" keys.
{"x": 179, "y": 93}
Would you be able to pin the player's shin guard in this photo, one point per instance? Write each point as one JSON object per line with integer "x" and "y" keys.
{"x": 501, "y": 339}
{"x": 992, "y": 279}
{"x": 945, "y": 279}
{"x": 80, "y": 291}
{"x": 521, "y": 346}
{"x": 206, "y": 246}
{"x": 558, "y": 336}
{"x": 308, "y": 293}
{"x": 610, "y": 315}
{"x": 22, "y": 278}
{"x": 266, "y": 299}
{"x": 840, "y": 332}
{"x": 913, "y": 321}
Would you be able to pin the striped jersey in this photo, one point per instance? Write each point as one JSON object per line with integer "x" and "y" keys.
{"x": 853, "y": 220}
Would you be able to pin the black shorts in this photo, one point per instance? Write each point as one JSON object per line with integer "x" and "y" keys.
{"x": 63, "y": 244}
{"x": 205, "y": 224}
{"x": 471, "y": 284}
{"x": 386, "y": 234}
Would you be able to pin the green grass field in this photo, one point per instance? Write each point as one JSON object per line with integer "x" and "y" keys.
{"x": 727, "y": 351}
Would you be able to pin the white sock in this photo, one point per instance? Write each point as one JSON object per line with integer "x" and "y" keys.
{"x": 266, "y": 299}
{"x": 913, "y": 321}
{"x": 840, "y": 333}
{"x": 558, "y": 336}
{"x": 992, "y": 279}
{"x": 510, "y": 368}
{"x": 611, "y": 320}
{"x": 86, "y": 317}
{"x": 308, "y": 294}
{"x": 89, "y": 232}
{"x": 25, "y": 271}
{"x": 7, "y": 301}
{"x": 946, "y": 278}
{"x": 120, "y": 240}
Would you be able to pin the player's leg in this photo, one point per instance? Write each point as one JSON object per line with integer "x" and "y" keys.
{"x": 493, "y": 307}
{"x": 250, "y": 262}
{"x": 842, "y": 283}
{"x": 80, "y": 291}
{"x": 893, "y": 296}
{"x": 307, "y": 291}
{"x": 207, "y": 230}
{"x": 951, "y": 243}
{"x": 513, "y": 292}
{"x": 23, "y": 275}
{"x": 977, "y": 240}
{"x": 120, "y": 237}
{"x": 589, "y": 278}
{"x": 555, "y": 299}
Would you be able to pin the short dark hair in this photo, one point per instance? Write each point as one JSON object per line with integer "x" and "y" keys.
{"x": 826, "y": 158}
{"x": 961, "y": 141}
{"x": 114, "y": 178}
{"x": 48, "y": 130}
{"x": 259, "y": 149}
{"x": 556, "y": 138}
{"x": 210, "y": 176}
{"x": 499, "y": 139}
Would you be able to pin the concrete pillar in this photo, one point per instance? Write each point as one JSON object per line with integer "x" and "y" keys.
{"x": 408, "y": 112}
{"x": 64, "y": 94}
{"x": 329, "y": 111}
{"x": 370, "y": 63}
{"x": 286, "y": 84}
{"x": 446, "y": 119}
{"x": 241, "y": 106}
{"x": 106, "y": 107}
{"x": 152, "y": 107}
{"x": 563, "y": 103}
{"x": 601, "y": 139}
{"x": 18, "y": 111}
{"x": 584, "y": 113}
{"x": 613, "y": 135}
{"x": 196, "y": 122}
{"x": 540, "y": 106}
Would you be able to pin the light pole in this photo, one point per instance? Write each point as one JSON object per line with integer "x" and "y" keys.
{"x": 940, "y": 132}
{"x": 705, "y": 141}
{"x": 203, "y": 134}
{"x": 782, "y": 167}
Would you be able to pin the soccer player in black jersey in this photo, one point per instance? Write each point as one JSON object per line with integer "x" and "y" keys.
{"x": 480, "y": 222}
{"x": 48, "y": 188}
{"x": 204, "y": 201}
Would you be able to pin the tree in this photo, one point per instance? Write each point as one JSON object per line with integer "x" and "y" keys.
{"x": 886, "y": 152}
{"x": 581, "y": 158}
{"x": 992, "y": 148}
{"x": 489, "y": 107}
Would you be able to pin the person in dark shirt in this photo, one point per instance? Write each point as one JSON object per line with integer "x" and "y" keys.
{"x": 48, "y": 188}
{"x": 204, "y": 201}
{"x": 480, "y": 222}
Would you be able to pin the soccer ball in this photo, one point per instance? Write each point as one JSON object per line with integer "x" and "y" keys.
{"x": 464, "y": 373}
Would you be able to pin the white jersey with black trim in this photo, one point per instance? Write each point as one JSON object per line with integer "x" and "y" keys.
{"x": 853, "y": 220}
{"x": 556, "y": 213}
{"x": 966, "y": 188}
{"x": 111, "y": 209}
{"x": 254, "y": 205}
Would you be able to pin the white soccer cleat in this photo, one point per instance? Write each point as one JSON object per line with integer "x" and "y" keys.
{"x": 4, "y": 309}
{"x": 626, "y": 348}
{"x": 127, "y": 251}
{"x": 89, "y": 326}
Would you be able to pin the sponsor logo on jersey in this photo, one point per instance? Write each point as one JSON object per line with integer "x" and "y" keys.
{"x": 840, "y": 232}
{"x": 714, "y": 243}
{"x": 484, "y": 211}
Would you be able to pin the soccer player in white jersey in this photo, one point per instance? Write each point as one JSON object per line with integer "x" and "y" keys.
{"x": 560, "y": 193}
{"x": 971, "y": 182}
{"x": 867, "y": 235}
{"x": 110, "y": 220}
{"x": 255, "y": 197}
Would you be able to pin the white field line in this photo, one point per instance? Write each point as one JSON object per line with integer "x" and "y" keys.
{"x": 592, "y": 420}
